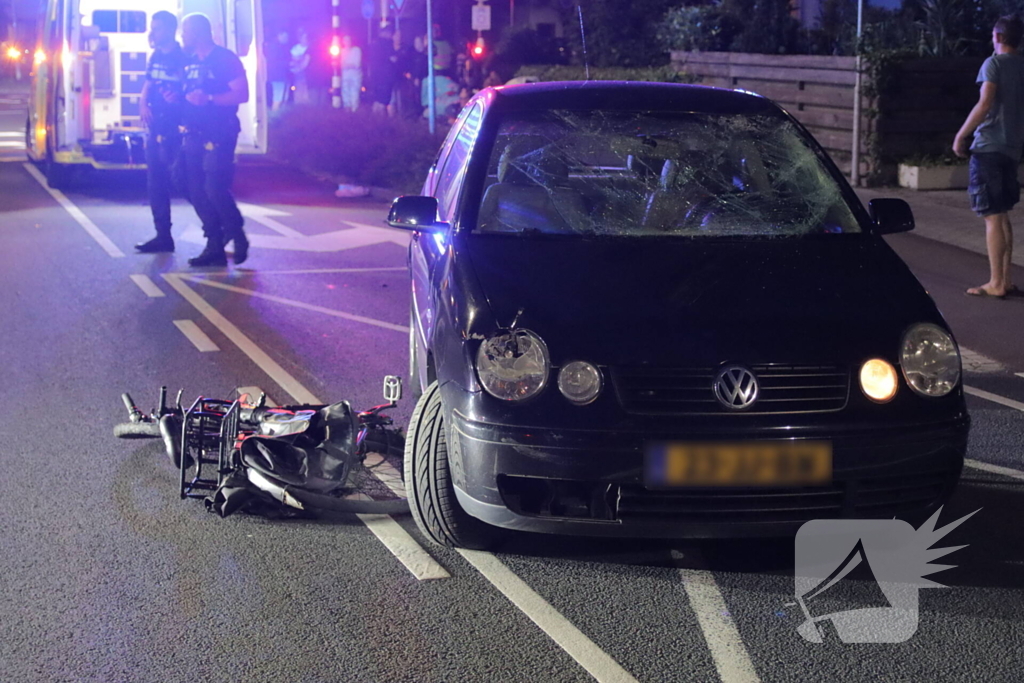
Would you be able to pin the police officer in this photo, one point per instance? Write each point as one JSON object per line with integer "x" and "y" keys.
{"x": 161, "y": 106}
{"x": 215, "y": 85}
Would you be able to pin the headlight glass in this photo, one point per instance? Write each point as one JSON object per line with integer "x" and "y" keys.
{"x": 580, "y": 382}
{"x": 930, "y": 360}
{"x": 513, "y": 366}
{"x": 878, "y": 380}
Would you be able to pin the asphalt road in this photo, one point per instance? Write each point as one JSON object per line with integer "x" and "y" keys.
{"x": 105, "y": 575}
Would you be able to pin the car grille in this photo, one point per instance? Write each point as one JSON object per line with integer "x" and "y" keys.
{"x": 870, "y": 498}
{"x": 688, "y": 391}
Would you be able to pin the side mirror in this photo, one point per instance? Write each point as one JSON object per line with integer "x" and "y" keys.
{"x": 891, "y": 215}
{"x": 415, "y": 213}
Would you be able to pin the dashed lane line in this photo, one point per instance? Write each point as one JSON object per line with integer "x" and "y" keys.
{"x": 76, "y": 213}
{"x": 194, "y": 334}
{"x": 389, "y": 532}
{"x": 147, "y": 285}
{"x": 995, "y": 469}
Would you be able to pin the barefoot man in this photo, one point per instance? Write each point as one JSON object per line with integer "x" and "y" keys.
{"x": 997, "y": 124}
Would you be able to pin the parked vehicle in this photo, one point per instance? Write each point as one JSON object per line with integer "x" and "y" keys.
{"x": 88, "y": 72}
{"x": 658, "y": 310}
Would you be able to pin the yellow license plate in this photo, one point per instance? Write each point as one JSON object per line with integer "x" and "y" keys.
{"x": 754, "y": 463}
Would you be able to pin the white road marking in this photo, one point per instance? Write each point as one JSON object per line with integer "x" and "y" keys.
{"x": 1019, "y": 374}
{"x": 147, "y": 285}
{"x": 195, "y": 335}
{"x": 263, "y": 216}
{"x": 77, "y": 214}
{"x": 404, "y": 547}
{"x": 979, "y": 363}
{"x": 578, "y": 646}
{"x": 385, "y": 472}
{"x": 10, "y": 134}
{"x": 297, "y": 304}
{"x": 14, "y": 144}
{"x": 995, "y": 469}
{"x": 995, "y": 398}
{"x": 386, "y": 529}
{"x": 723, "y": 639}
{"x": 283, "y": 378}
{"x": 300, "y": 271}
{"x": 333, "y": 241}
{"x": 254, "y": 394}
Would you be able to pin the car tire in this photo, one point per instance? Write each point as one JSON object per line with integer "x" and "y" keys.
{"x": 429, "y": 484}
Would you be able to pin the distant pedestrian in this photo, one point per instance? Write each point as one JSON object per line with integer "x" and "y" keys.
{"x": 351, "y": 73}
{"x": 299, "y": 68}
{"x": 160, "y": 106}
{"x": 215, "y": 84}
{"x": 997, "y": 124}
{"x": 278, "y": 60}
{"x": 383, "y": 72}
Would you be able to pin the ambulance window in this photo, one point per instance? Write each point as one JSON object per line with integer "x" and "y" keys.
{"x": 112, "y": 21}
{"x": 132, "y": 22}
{"x": 105, "y": 20}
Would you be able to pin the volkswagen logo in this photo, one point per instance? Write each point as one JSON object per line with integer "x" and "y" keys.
{"x": 735, "y": 387}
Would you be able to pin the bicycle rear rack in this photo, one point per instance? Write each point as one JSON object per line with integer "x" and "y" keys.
{"x": 208, "y": 434}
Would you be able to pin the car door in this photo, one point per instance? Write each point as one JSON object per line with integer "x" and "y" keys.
{"x": 427, "y": 248}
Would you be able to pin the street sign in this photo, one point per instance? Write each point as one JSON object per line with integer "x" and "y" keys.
{"x": 398, "y": 4}
{"x": 481, "y": 17}
{"x": 367, "y": 9}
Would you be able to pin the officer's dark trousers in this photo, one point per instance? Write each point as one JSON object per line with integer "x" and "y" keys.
{"x": 209, "y": 172}
{"x": 162, "y": 150}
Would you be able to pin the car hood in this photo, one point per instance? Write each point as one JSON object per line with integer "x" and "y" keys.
{"x": 689, "y": 302}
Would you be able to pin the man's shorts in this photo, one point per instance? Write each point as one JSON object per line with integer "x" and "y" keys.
{"x": 993, "y": 185}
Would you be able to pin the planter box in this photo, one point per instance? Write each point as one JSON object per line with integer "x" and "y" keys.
{"x": 939, "y": 177}
{"x": 934, "y": 177}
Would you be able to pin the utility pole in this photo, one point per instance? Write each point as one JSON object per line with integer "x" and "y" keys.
{"x": 336, "y": 54}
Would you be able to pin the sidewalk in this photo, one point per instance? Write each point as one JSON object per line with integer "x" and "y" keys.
{"x": 945, "y": 216}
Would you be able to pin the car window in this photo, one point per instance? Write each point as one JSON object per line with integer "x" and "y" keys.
{"x": 658, "y": 173}
{"x": 442, "y": 154}
{"x": 450, "y": 177}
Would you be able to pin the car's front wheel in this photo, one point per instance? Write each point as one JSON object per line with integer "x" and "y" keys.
{"x": 429, "y": 484}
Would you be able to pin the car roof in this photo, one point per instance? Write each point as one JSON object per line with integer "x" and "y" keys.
{"x": 625, "y": 95}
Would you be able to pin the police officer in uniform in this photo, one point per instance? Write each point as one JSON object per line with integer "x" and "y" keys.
{"x": 161, "y": 106}
{"x": 215, "y": 85}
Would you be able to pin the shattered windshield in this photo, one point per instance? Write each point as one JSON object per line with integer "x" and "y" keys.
{"x": 657, "y": 173}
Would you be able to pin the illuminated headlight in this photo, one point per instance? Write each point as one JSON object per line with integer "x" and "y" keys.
{"x": 930, "y": 360}
{"x": 878, "y": 380}
{"x": 513, "y": 366}
{"x": 579, "y": 382}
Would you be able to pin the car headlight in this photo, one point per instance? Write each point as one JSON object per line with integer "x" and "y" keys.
{"x": 580, "y": 382}
{"x": 513, "y": 366}
{"x": 930, "y": 360}
{"x": 878, "y": 380}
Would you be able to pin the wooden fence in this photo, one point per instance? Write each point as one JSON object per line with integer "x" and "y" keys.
{"x": 919, "y": 111}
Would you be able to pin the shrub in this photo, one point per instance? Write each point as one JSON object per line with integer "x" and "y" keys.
{"x": 705, "y": 29}
{"x": 662, "y": 74}
{"x": 360, "y": 147}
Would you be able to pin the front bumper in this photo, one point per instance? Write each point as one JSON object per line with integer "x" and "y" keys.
{"x": 582, "y": 482}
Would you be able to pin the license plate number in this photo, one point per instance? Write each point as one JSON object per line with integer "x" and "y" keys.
{"x": 756, "y": 463}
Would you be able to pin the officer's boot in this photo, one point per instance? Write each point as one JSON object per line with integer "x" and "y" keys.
{"x": 213, "y": 255}
{"x": 163, "y": 242}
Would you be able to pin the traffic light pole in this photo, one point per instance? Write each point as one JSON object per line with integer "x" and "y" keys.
{"x": 336, "y": 58}
{"x": 432, "y": 104}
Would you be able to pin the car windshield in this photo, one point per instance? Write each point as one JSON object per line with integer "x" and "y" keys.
{"x": 655, "y": 173}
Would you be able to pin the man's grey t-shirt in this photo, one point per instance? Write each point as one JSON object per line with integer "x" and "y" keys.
{"x": 1003, "y": 129}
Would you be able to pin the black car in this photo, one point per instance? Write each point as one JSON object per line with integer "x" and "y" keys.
{"x": 659, "y": 310}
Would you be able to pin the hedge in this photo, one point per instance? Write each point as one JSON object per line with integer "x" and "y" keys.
{"x": 360, "y": 148}
{"x": 659, "y": 74}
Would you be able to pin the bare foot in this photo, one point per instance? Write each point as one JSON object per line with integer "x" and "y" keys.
{"x": 986, "y": 290}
